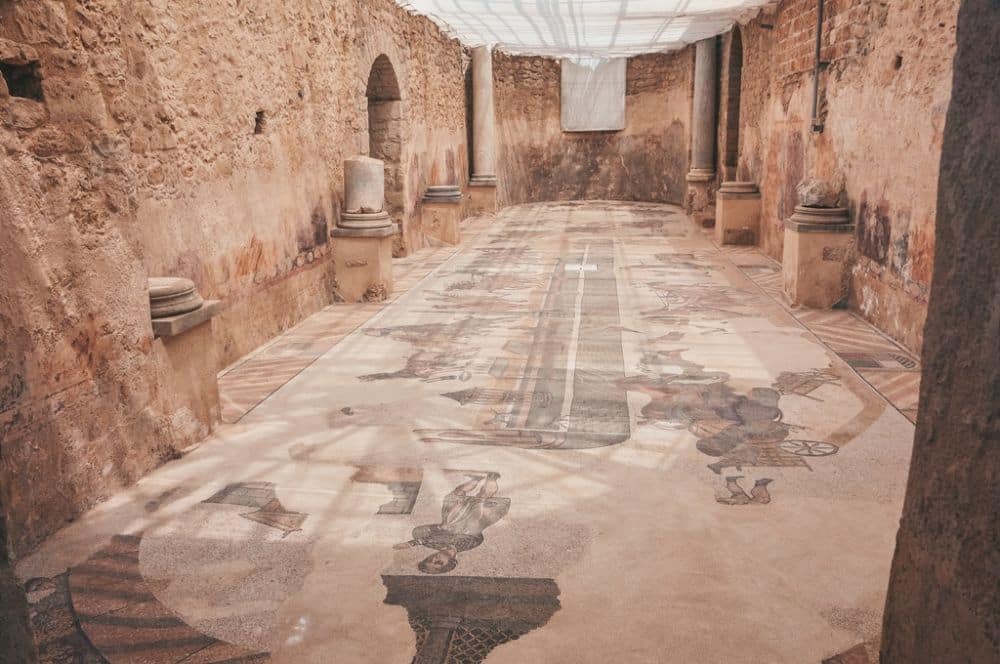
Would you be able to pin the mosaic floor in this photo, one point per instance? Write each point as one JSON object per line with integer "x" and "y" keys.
{"x": 586, "y": 435}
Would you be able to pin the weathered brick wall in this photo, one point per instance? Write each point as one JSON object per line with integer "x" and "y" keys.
{"x": 203, "y": 140}
{"x": 883, "y": 97}
{"x": 647, "y": 161}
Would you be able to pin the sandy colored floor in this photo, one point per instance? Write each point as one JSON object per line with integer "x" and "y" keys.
{"x": 589, "y": 435}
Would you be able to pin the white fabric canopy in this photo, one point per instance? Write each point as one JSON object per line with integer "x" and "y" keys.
{"x": 583, "y": 28}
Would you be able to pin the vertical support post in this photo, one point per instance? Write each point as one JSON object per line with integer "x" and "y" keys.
{"x": 483, "y": 120}
{"x": 703, "y": 126}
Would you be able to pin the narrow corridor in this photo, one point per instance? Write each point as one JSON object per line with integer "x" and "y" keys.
{"x": 587, "y": 435}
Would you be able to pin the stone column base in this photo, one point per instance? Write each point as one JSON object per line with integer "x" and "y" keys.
{"x": 362, "y": 259}
{"x": 814, "y": 262}
{"x": 442, "y": 219}
{"x": 365, "y": 220}
{"x": 737, "y": 213}
{"x": 699, "y": 191}
{"x": 482, "y": 196}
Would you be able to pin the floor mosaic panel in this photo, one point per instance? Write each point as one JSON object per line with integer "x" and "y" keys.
{"x": 585, "y": 435}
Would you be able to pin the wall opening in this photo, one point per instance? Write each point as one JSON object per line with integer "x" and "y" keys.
{"x": 23, "y": 80}
{"x": 385, "y": 130}
{"x": 731, "y": 152}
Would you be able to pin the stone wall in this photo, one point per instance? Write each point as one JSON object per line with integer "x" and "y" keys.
{"x": 647, "y": 161}
{"x": 884, "y": 93}
{"x": 944, "y": 592}
{"x": 246, "y": 213}
{"x": 202, "y": 140}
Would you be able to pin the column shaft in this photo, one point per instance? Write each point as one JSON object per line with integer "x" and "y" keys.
{"x": 483, "y": 121}
{"x": 703, "y": 124}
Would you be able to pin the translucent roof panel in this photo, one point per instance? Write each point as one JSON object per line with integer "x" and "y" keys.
{"x": 584, "y": 28}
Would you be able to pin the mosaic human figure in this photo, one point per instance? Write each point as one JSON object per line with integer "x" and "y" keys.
{"x": 758, "y": 495}
{"x": 752, "y": 419}
{"x": 738, "y": 430}
{"x": 466, "y": 512}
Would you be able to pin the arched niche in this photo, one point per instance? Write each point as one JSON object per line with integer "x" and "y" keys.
{"x": 385, "y": 130}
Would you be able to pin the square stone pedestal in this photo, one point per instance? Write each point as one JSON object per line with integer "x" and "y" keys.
{"x": 814, "y": 263}
{"x": 362, "y": 259}
{"x": 698, "y": 198}
{"x": 185, "y": 344}
{"x": 737, "y": 216}
{"x": 482, "y": 199}
{"x": 442, "y": 220}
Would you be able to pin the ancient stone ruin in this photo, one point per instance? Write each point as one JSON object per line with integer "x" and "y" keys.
{"x": 495, "y": 330}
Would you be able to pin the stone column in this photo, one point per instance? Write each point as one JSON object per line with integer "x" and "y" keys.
{"x": 362, "y": 253}
{"x": 483, "y": 121}
{"x": 484, "y": 174}
{"x": 703, "y": 126}
{"x": 364, "y": 194}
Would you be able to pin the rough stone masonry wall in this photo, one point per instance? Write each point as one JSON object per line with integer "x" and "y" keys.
{"x": 247, "y": 215}
{"x": 195, "y": 139}
{"x": 884, "y": 97}
{"x": 647, "y": 161}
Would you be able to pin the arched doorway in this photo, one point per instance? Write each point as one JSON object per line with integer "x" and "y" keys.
{"x": 385, "y": 130}
{"x": 731, "y": 153}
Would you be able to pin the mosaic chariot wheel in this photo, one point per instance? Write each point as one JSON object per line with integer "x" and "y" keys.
{"x": 809, "y": 448}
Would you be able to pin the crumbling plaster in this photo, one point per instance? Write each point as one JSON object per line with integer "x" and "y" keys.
{"x": 884, "y": 96}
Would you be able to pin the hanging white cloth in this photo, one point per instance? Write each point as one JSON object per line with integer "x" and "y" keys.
{"x": 584, "y": 28}
{"x": 593, "y": 94}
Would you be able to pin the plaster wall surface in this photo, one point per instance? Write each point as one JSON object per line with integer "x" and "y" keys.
{"x": 883, "y": 98}
{"x": 647, "y": 161}
{"x": 198, "y": 140}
